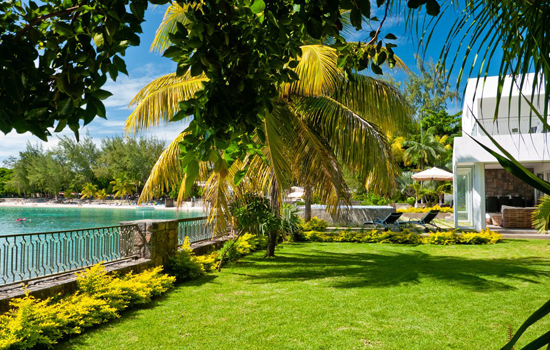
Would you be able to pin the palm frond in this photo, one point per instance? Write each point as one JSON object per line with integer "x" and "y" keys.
{"x": 219, "y": 192}
{"x": 166, "y": 174}
{"x": 315, "y": 164}
{"x": 174, "y": 14}
{"x": 317, "y": 71}
{"x": 356, "y": 141}
{"x": 377, "y": 101}
{"x": 541, "y": 216}
{"x": 159, "y": 100}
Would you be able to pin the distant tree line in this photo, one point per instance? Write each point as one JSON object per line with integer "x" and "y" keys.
{"x": 71, "y": 166}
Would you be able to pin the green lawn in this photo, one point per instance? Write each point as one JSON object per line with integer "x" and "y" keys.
{"x": 346, "y": 296}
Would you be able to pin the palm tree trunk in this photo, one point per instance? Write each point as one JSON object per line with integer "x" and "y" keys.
{"x": 307, "y": 203}
{"x": 275, "y": 208}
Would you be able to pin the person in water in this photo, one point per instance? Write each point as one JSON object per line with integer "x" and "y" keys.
{"x": 24, "y": 219}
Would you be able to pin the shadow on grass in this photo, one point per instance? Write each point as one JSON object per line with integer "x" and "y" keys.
{"x": 391, "y": 268}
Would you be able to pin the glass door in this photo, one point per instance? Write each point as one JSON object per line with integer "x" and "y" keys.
{"x": 463, "y": 205}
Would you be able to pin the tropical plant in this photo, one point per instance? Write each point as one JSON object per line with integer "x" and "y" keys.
{"x": 122, "y": 186}
{"x": 520, "y": 29}
{"x": 101, "y": 194}
{"x": 321, "y": 120}
{"x": 541, "y": 216}
{"x": 88, "y": 191}
{"x": 417, "y": 187}
{"x": 441, "y": 190}
{"x": 290, "y": 222}
{"x": 423, "y": 152}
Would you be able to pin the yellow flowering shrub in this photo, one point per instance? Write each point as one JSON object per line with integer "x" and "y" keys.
{"x": 31, "y": 322}
{"x": 209, "y": 262}
{"x": 315, "y": 224}
{"x": 484, "y": 237}
{"x": 441, "y": 238}
{"x": 404, "y": 237}
{"x": 426, "y": 210}
{"x": 100, "y": 297}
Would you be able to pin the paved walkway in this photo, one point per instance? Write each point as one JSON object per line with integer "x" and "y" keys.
{"x": 507, "y": 233}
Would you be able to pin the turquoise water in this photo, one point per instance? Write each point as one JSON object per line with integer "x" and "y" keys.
{"x": 60, "y": 219}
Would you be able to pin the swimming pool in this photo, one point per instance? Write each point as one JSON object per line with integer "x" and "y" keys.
{"x": 43, "y": 219}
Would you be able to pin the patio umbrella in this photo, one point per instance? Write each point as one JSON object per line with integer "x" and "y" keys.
{"x": 433, "y": 174}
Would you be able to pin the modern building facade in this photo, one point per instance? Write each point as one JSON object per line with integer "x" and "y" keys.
{"x": 481, "y": 186}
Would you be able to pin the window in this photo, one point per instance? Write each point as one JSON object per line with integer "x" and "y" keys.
{"x": 463, "y": 205}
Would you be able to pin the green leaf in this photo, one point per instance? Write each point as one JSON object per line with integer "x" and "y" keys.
{"x": 63, "y": 29}
{"x": 137, "y": 9}
{"x": 356, "y": 18}
{"x": 314, "y": 28}
{"x": 120, "y": 64}
{"x": 191, "y": 174}
{"x": 258, "y": 6}
{"x": 239, "y": 176}
{"x": 99, "y": 40}
{"x": 14, "y": 84}
{"x": 196, "y": 69}
{"x": 537, "y": 315}
{"x": 99, "y": 106}
{"x": 515, "y": 168}
{"x": 414, "y": 4}
{"x": 65, "y": 107}
{"x": 102, "y": 94}
{"x": 61, "y": 125}
{"x": 432, "y": 7}
{"x": 113, "y": 71}
{"x": 381, "y": 58}
{"x": 376, "y": 69}
{"x": 390, "y": 36}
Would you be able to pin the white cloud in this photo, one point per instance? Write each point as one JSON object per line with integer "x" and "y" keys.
{"x": 126, "y": 87}
{"x": 123, "y": 90}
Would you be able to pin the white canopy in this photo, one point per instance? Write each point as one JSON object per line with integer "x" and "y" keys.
{"x": 296, "y": 195}
{"x": 433, "y": 174}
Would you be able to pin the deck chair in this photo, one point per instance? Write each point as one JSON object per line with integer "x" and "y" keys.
{"x": 426, "y": 220}
{"x": 391, "y": 219}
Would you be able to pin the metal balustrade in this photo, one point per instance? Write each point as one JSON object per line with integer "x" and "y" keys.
{"x": 32, "y": 255}
{"x": 196, "y": 228}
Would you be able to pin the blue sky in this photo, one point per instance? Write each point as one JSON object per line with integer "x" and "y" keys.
{"x": 144, "y": 66}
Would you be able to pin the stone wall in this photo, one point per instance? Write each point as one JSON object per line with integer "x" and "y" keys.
{"x": 499, "y": 182}
{"x": 155, "y": 240}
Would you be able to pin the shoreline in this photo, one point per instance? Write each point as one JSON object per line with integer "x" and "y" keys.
{"x": 21, "y": 203}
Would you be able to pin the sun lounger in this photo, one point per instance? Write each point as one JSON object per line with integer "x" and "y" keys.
{"x": 426, "y": 220}
{"x": 391, "y": 219}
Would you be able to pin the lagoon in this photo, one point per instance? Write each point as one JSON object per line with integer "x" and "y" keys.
{"x": 45, "y": 219}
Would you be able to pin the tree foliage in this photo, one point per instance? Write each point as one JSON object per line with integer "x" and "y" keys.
{"x": 80, "y": 167}
{"x": 56, "y": 55}
{"x": 430, "y": 90}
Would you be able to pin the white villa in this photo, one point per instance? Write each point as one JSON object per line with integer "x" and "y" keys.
{"x": 483, "y": 191}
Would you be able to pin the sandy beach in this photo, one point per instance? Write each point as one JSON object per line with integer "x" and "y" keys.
{"x": 108, "y": 204}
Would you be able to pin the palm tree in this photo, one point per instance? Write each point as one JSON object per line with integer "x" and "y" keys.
{"x": 422, "y": 152}
{"x": 101, "y": 194}
{"x": 88, "y": 190}
{"x": 122, "y": 186}
{"x": 318, "y": 122}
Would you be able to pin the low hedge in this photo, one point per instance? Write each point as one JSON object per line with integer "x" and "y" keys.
{"x": 100, "y": 297}
{"x": 404, "y": 237}
{"x": 426, "y": 210}
{"x": 185, "y": 265}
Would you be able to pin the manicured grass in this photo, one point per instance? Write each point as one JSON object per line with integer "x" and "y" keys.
{"x": 346, "y": 296}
